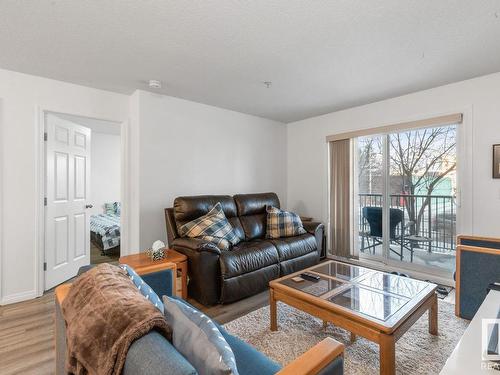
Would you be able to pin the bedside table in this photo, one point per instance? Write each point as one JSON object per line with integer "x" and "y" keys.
{"x": 142, "y": 263}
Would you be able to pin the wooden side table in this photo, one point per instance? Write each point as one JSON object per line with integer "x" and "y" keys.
{"x": 141, "y": 262}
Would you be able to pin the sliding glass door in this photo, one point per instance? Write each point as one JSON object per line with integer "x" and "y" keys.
{"x": 406, "y": 187}
{"x": 370, "y": 173}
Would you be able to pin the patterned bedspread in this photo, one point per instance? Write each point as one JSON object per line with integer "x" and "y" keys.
{"x": 108, "y": 227}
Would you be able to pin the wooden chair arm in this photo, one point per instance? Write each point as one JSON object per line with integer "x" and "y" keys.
{"x": 143, "y": 270}
{"x": 62, "y": 291}
{"x": 315, "y": 359}
{"x": 475, "y": 238}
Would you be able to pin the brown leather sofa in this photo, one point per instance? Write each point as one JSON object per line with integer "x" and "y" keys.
{"x": 217, "y": 276}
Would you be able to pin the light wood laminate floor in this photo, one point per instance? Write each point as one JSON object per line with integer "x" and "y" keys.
{"x": 27, "y": 331}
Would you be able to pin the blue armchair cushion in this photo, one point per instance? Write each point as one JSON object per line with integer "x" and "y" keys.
{"x": 161, "y": 282}
{"x": 249, "y": 360}
{"x": 153, "y": 354}
{"x": 143, "y": 287}
{"x": 477, "y": 271}
{"x": 198, "y": 339}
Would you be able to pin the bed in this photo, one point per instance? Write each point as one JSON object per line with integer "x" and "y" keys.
{"x": 105, "y": 228}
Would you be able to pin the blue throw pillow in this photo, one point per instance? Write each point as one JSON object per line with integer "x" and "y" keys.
{"x": 144, "y": 288}
{"x": 198, "y": 339}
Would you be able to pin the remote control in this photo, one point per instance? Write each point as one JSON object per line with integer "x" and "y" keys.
{"x": 310, "y": 276}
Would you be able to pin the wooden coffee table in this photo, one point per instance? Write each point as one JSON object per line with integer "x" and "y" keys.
{"x": 378, "y": 306}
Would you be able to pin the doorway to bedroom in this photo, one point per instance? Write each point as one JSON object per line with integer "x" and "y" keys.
{"x": 83, "y": 194}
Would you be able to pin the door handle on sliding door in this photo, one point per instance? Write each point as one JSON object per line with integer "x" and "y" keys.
{"x": 88, "y": 206}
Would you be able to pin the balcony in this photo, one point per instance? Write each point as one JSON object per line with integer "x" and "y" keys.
{"x": 422, "y": 228}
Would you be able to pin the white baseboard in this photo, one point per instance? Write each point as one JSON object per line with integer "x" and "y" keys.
{"x": 18, "y": 297}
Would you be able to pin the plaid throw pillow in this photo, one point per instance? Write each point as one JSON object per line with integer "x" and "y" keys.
{"x": 283, "y": 223}
{"x": 213, "y": 227}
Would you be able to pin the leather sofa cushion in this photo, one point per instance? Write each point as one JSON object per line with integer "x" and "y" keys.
{"x": 254, "y": 226}
{"x": 251, "y": 210}
{"x": 189, "y": 208}
{"x": 293, "y": 247}
{"x": 248, "y": 284}
{"x": 247, "y": 257}
{"x": 296, "y": 264}
{"x": 251, "y": 204}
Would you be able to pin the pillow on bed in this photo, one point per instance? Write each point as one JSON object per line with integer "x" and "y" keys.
{"x": 113, "y": 208}
{"x": 109, "y": 209}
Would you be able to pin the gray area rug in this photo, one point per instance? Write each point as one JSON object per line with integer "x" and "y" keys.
{"x": 417, "y": 352}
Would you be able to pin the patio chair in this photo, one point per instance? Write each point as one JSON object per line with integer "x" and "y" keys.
{"x": 373, "y": 215}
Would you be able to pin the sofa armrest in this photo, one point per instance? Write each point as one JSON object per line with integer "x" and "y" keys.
{"x": 148, "y": 354}
{"x": 195, "y": 244}
{"x": 317, "y": 359}
{"x": 203, "y": 268}
{"x": 153, "y": 354}
{"x": 313, "y": 226}
{"x": 317, "y": 229}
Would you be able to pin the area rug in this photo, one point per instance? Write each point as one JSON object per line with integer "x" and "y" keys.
{"x": 417, "y": 352}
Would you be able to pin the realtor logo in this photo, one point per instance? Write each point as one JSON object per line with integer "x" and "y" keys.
{"x": 490, "y": 340}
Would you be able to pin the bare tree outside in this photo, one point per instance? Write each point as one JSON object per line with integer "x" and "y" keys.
{"x": 421, "y": 159}
{"x": 370, "y": 164}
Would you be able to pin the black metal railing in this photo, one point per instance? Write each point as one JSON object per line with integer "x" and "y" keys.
{"x": 430, "y": 217}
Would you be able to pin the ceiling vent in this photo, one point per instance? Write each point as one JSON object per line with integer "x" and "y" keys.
{"x": 154, "y": 84}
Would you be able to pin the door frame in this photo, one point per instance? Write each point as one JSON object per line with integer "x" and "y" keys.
{"x": 465, "y": 174}
{"x": 40, "y": 161}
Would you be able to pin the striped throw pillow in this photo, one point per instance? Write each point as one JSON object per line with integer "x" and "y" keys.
{"x": 213, "y": 227}
{"x": 282, "y": 223}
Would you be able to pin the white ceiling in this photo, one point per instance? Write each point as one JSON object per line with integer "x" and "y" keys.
{"x": 320, "y": 55}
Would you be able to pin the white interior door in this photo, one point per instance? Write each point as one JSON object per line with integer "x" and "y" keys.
{"x": 67, "y": 214}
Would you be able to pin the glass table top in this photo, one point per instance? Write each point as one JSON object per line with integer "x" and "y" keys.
{"x": 378, "y": 305}
{"x": 341, "y": 270}
{"x": 316, "y": 288}
{"x": 368, "y": 292}
{"x": 403, "y": 286}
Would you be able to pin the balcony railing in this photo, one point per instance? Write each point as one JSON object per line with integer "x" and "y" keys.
{"x": 430, "y": 217}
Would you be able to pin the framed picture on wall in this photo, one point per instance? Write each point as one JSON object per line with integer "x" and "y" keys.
{"x": 496, "y": 161}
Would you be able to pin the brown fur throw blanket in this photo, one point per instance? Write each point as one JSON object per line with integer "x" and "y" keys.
{"x": 104, "y": 314}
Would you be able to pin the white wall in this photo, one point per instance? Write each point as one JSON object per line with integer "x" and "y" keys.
{"x": 177, "y": 147}
{"x": 188, "y": 148}
{"x": 105, "y": 164}
{"x": 478, "y": 98}
{"x": 21, "y": 96}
